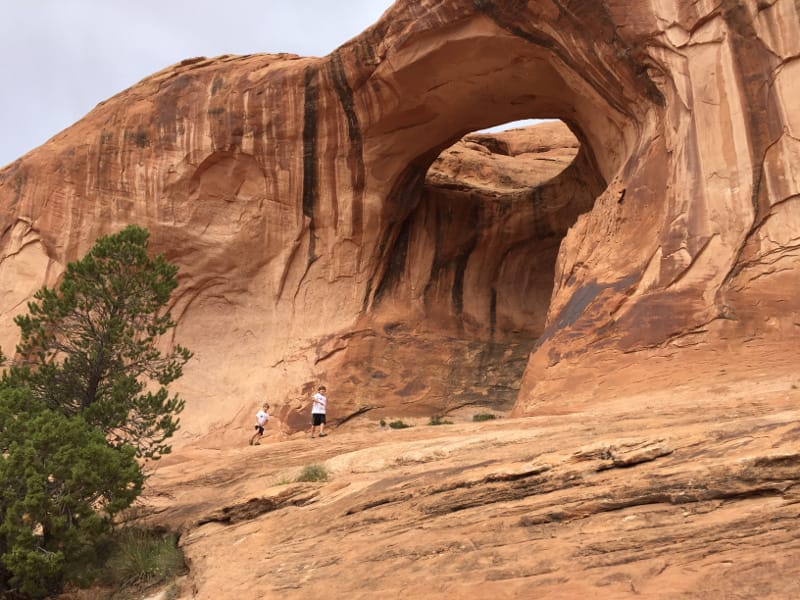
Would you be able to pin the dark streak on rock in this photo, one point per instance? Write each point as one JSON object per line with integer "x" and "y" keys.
{"x": 460, "y": 263}
{"x": 764, "y": 123}
{"x": 578, "y": 303}
{"x": 310, "y": 181}
{"x": 345, "y": 94}
{"x": 256, "y": 507}
{"x": 492, "y": 312}
{"x": 395, "y": 264}
{"x": 361, "y": 410}
{"x": 750, "y": 56}
{"x": 402, "y": 198}
{"x": 355, "y": 157}
{"x": 20, "y": 179}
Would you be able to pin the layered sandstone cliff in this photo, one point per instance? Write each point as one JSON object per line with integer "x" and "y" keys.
{"x": 292, "y": 193}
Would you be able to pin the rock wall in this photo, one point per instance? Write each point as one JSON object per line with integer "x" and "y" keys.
{"x": 292, "y": 193}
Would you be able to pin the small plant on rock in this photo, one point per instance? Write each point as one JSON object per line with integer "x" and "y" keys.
{"x": 398, "y": 424}
{"x": 315, "y": 472}
{"x": 143, "y": 558}
{"x": 483, "y": 417}
{"x": 439, "y": 420}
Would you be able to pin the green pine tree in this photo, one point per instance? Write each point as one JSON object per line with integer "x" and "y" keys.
{"x": 93, "y": 345}
{"x": 85, "y": 398}
{"x": 62, "y": 485}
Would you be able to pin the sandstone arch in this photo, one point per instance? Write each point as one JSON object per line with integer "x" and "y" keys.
{"x": 470, "y": 274}
{"x": 281, "y": 185}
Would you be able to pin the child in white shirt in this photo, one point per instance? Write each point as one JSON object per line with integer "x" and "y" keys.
{"x": 262, "y": 417}
{"x": 318, "y": 410}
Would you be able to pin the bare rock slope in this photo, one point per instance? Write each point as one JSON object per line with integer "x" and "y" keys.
{"x": 659, "y": 499}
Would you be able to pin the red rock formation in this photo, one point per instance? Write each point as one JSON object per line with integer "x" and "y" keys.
{"x": 291, "y": 192}
{"x": 660, "y": 499}
{"x": 645, "y": 281}
{"x": 468, "y": 283}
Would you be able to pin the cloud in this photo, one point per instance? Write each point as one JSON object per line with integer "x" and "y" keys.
{"x": 62, "y": 57}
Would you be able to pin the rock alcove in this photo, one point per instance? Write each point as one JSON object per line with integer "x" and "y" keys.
{"x": 465, "y": 269}
{"x": 470, "y": 275}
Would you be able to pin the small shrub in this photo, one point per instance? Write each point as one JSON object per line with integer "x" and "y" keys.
{"x": 439, "y": 420}
{"x": 483, "y": 417}
{"x": 313, "y": 472}
{"x": 383, "y": 422}
{"x": 398, "y": 424}
{"x": 139, "y": 557}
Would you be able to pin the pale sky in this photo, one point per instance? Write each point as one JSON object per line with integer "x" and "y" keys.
{"x": 62, "y": 57}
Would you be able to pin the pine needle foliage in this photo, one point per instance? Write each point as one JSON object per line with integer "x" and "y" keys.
{"x": 82, "y": 406}
{"x": 92, "y": 345}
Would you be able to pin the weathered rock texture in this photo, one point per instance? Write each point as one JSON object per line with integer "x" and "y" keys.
{"x": 661, "y": 499}
{"x": 292, "y": 193}
{"x": 641, "y": 278}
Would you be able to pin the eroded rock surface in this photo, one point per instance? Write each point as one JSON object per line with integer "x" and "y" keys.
{"x": 292, "y": 193}
{"x": 664, "y": 499}
{"x": 640, "y": 279}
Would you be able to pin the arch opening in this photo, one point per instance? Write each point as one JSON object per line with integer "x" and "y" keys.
{"x": 476, "y": 260}
{"x": 498, "y": 204}
{"x": 466, "y": 268}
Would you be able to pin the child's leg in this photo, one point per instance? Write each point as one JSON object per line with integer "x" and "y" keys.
{"x": 256, "y": 435}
